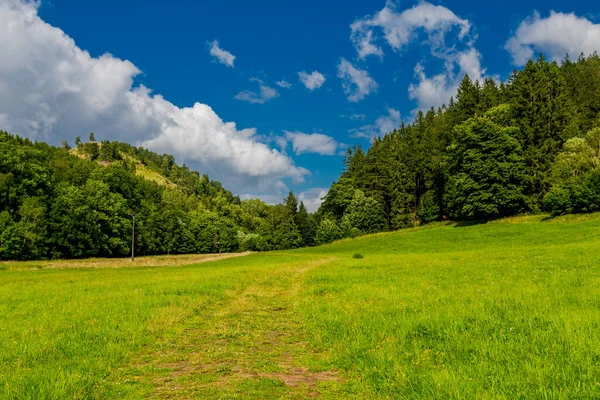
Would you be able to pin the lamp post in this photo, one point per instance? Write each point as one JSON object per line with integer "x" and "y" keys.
{"x": 133, "y": 237}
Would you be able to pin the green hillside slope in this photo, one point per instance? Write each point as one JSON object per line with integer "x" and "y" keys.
{"x": 65, "y": 203}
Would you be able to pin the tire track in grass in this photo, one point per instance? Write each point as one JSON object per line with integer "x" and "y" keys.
{"x": 251, "y": 346}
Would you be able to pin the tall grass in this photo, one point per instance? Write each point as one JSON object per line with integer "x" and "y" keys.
{"x": 509, "y": 309}
{"x": 488, "y": 311}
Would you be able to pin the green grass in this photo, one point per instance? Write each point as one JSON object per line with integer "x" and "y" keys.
{"x": 503, "y": 310}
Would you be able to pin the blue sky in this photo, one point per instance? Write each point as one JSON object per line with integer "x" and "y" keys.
{"x": 150, "y": 77}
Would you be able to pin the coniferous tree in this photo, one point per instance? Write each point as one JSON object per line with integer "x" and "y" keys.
{"x": 467, "y": 97}
{"x": 305, "y": 225}
{"x": 486, "y": 173}
{"x": 544, "y": 112}
{"x": 291, "y": 203}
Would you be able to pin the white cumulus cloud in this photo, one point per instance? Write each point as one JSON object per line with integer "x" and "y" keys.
{"x": 400, "y": 28}
{"x": 556, "y": 36}
{"x": 284, "y": 84}
{"x": 382, "y": 125}
{"x": 313, "y": 80}
{"x": 223, "y": 56}
{"x": 354, "y": 117}
{"x": 312, "y": 143}
{"x": 356, "y": 82}
{"x": 450, "y": 40}
{"x": 51, "y": 89}
{"x": 436, "y": 90}
{"x": 313, "y": 198}
{"x": 264, "y": 94}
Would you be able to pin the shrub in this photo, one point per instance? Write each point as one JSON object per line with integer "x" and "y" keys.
{"x": 558, "y": 201}
{"x": 327, "y": 232}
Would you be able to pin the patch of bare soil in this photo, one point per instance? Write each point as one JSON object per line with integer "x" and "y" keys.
{"x": 296, "y": 376}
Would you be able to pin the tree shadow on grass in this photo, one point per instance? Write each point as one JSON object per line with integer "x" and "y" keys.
{"x": 465, "y": 224}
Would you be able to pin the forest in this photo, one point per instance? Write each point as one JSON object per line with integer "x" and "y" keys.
{"x": 528, "y": 145}
{"x": 63, "y": 202}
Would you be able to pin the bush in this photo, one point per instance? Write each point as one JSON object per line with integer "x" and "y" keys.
{"x": 358, "y": 256}
{"x": 586, "y": 195}
{"x": 558, "y": 201}
{"x": 428, "y": 208}
{"x": 581, "y": 196}
{"x": 327, "y": 232}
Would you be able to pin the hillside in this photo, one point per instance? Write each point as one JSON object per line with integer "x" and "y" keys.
{"x": 63, "y": 202}
{"x": 506, "y": 309}
{"x": 497, "y": 149}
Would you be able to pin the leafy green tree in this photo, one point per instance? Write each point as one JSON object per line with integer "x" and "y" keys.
{"x": 575, "y": 178}
{"x": 486, "y": 174}
{"x": 65, "y": 145}
{"x": 366, "y": 214}
{"x": 30, "y": 230}
{"x": 92, "y": 137}
{"x": 89, "y": 222}
{"x": 6, "y": 222}
{"x": 280, "y": 230}
{"x": 327, "y": 232}
{"x": 251, "y": 242}
{"x": 429, "y": 209}
{"x": 339, "y": 197}
{"x": 306, "y": 225}
{"x": 545, "y": 115}
{"x": 109, "y": 151}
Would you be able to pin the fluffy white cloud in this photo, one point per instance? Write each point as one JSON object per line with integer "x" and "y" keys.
{"x": 51, "y": 89}
{"x": 313, "y": 198}
{"x": 312, "y": 143}
{"x": 436, "y": 90}
{"x": 223, "y": 56}
{"x": 284, "y": 84}
{"x": 354, "y": 117}
{"x": 557, "y": 35}
{"x": 400, "y": 28}
{"x": 449, "y": 38}
{"x": 356, "y": 82}
{"x": 384, "y": 124}
{"x": 264, "y": 94}
{"x": 313, "y": 80}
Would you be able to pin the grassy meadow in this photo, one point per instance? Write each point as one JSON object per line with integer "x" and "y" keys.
{"x": 504, "y": 310}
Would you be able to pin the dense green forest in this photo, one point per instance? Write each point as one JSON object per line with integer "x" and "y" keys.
{"x": 58, "y": 202}
{"x": 529, "y": 145}
{"x": 525, "y": 146}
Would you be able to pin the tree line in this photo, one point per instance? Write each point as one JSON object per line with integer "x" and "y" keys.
{"x": 63, "y": 202}
{"x": 529, "y": 145}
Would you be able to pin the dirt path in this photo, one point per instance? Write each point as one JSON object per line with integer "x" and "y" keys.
{"x": 149, "y": 261}
{"x": 249, "y": 347}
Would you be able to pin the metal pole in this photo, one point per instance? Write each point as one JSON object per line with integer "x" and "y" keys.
{"x": 133, "y": 238}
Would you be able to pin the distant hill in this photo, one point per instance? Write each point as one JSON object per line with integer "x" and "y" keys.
{"x": 63, "y": 202}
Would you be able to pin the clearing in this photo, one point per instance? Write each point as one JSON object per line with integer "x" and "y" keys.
{"x": 508, "y": 309}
